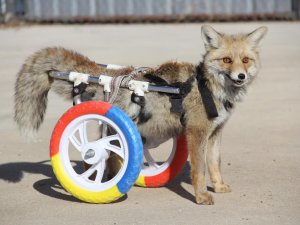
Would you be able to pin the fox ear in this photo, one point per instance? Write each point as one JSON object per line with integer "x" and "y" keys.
{"x": 210, "y": 37}
{"x": 255, "y": 38}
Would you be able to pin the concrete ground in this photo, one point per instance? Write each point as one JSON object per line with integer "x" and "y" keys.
{"x": 260, "y": 149}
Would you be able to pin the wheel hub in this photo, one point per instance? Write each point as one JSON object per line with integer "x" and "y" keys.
{"x": 89, "y": 154}
{"x": 93, "y": 153}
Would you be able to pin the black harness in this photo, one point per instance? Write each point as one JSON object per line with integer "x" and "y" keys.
{"x": 176, "y": 100}
{"x": 185, "y": 88}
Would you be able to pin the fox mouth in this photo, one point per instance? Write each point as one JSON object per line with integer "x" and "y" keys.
{"x": 236, "y": 83}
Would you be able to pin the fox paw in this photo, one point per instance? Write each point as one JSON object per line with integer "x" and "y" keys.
{"x": 204, "y": 198}
{"x": 222, "y": 188}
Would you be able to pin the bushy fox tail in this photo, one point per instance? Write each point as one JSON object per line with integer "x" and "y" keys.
{"x": 31, "y": 90}
{"x": 33, "y": 84}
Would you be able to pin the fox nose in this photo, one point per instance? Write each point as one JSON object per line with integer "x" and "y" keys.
{"x": 242, "y": 76}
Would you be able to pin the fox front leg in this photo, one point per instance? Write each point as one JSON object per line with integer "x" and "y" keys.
{"x": 214, "y": 164}
{"x": 197, "y": 145}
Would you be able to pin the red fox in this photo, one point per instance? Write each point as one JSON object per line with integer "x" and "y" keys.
{"x": 210, "y": 91}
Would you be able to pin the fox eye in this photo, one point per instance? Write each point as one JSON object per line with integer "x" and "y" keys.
{"x": 227, "y": 60}
{"x": 245, "y": 60}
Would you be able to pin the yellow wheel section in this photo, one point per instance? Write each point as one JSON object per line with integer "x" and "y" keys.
{"x": 105, "y": 196}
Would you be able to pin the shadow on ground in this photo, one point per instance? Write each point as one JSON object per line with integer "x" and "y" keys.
{"x": 14, "y": 173}
{"x": 184, "y": 177}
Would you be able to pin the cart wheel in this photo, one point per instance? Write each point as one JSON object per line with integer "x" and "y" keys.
{"x": 155, "y": 173}
{"x": 77, "y": 139}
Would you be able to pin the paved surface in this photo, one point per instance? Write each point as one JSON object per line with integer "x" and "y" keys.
{"x": 260, "y": 146}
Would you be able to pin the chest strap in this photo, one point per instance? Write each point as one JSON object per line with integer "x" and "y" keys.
{"x": 206, "y": 95}
{"x": 176, "y": 100}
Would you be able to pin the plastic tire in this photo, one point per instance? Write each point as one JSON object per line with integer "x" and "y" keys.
{"x": 159, "y": 175}
{"x": 130, "y": 147}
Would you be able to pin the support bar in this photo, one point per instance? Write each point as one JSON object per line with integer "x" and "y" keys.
{"x": 164, "y": 89}
{"x": 96, "y": 80}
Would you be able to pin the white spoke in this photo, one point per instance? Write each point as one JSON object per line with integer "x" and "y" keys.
{"x": 100, "y": 171}
{"x": 105, "y": 142}
{"x": 149, "y": 159}
{"x": 110, "y": 138}
{"x": 89, "y": 172}
{"x": 78, "y": 144}
{"x": 116, "y": 150}
{"x": 75, "y": 142}
{"x": 83, "y": 132}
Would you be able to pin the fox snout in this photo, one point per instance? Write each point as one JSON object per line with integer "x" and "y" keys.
{"x": 238, "y": 78}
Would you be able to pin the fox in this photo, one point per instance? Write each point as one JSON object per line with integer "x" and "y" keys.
{"x": 210, "y": 91}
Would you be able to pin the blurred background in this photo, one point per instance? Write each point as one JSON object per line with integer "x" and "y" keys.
{"x": 150, "y": 11}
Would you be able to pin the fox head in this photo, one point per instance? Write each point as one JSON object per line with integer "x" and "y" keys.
{"x": 233, "y": 60}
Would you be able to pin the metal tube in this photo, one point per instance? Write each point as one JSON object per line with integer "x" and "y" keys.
{"x": 59, "y": 75}
{"x": 164, "y": 89}
{"x": 93, "y": 79}
{"x": 77, "y": 99}
{"x": 104, "y": 125}
{"x": 106, "y": 96}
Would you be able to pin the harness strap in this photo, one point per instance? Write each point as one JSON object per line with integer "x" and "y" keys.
{"x": 206, "y": 95}
{"x": 176, "y": 100}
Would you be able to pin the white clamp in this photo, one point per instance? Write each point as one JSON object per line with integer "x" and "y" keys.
{"x": 78, "y": 78}
{"x": 138, "y": 87}
{"x": 105, "y": 81}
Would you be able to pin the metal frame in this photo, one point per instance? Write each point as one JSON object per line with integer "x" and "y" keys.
{"x": 138, "y": 87}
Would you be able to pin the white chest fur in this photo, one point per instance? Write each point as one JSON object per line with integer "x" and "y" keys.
{"x": 222, "y": 118}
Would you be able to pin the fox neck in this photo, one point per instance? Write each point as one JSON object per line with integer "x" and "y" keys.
{"x": 219, "y": 90}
